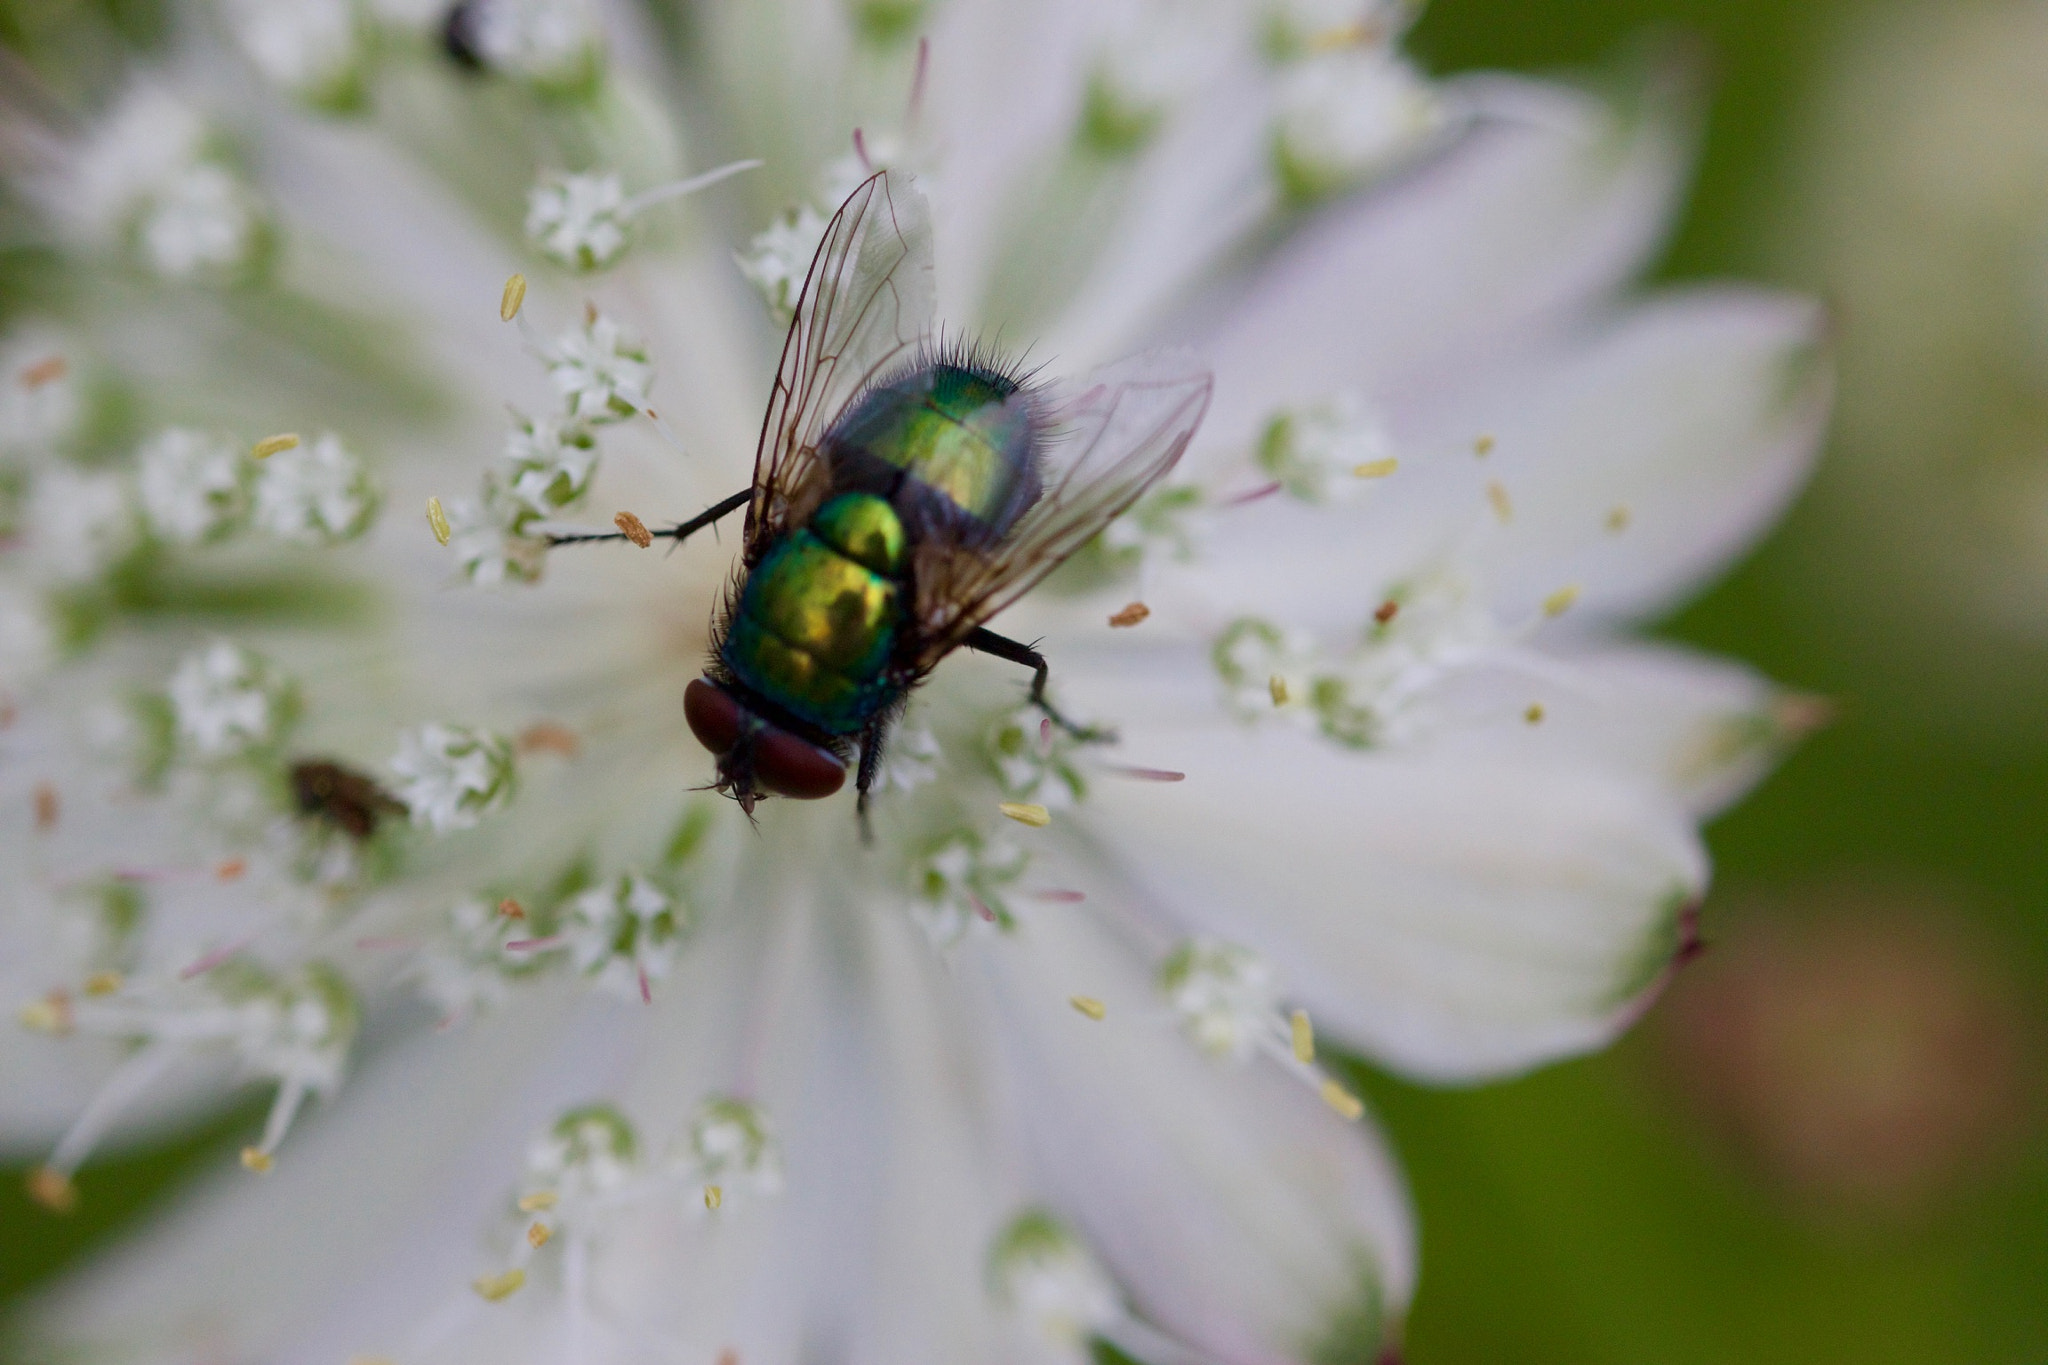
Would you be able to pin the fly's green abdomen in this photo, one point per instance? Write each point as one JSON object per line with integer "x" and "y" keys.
{"x": 957, "y": 435}
{"x": 816, "y": 622}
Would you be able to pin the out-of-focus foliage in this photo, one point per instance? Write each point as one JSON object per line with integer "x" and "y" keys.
{"x": 1828, "y": 1145}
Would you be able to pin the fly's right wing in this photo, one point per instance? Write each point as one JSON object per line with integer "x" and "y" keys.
{"x": 866, "y": 306}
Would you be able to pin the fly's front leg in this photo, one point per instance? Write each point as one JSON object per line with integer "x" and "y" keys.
{"x": 985, "y": 641}
{"x": 871, "y": 742}
{"x": 678, "y": 533}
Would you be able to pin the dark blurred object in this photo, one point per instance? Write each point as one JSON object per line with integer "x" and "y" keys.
{"x": 1857, "y": 1047}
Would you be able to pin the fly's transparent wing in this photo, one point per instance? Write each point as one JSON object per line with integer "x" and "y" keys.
{"x": 866, "y": 305}
{"x": 1109, "y": 437}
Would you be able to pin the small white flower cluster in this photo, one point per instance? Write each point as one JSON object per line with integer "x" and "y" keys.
{"x": 779, "y": 257}
{"x": 1033, "y": 760}
{"x": 1348, "y": 105}
{"x": 194, "y": 487}
{"x": 732, "y": 1147}
{"x": 317, "y": 493}
{"x": 1155, "y": 58}
{"x": 1050, "y": 1282}
{"x": 450, "y": 776}
{"x": 1225, "y": 996}
{"x": 1326, "y": 452}
{"x": 959, "y": 882}
{"x": 469, "y": 968}
{"x": 227, "y": 701}
{"x": 625, "y": 933}
{"x": 579, "y": 221}
{"x": 152, "y": 177}
{"x": 314, "y": 50}
{"x": 552, "y": 47}
{"x": 601, "y": 376}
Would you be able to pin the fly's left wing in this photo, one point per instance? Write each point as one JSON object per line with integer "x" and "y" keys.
{"x": 1111, "y": 436}
{"x": 866, "y": 305}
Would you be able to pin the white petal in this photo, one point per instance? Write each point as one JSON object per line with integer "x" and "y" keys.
{"x": 1454, "y": 915}
{"x": 1645, "y": 451}
{"x": 1534, "y": 213}
{"x": 1238, "y": 1213}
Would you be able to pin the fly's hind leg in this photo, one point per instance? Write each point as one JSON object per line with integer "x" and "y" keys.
{"x": 986, "y": 641}
{"x": 678, "y": 533}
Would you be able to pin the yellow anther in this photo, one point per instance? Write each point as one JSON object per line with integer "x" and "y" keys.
{"x": 1375, "y": 469}
{"x": 1534, "y": 715}
{"x": 257, "y": 1160}
{"x": 633, "y": 529}
{"x": 515, "y": 294}
{"x": 1276, "y": 687}
{"x": 495, "y": 1288}
{"x": 1130, "y": 615}
{"x": 538, "y": 1200}
{"x": 1618, "y": 518}
{"x": 1343, "y": 1101}
{"x": 1024, "y": 813}
{"x": 270, "y": 445}
{"x": 1483, "y": 446}
{"x": 46, "y": 371}
{"x": 1358, "y": 34}
{"x": 51, "y": 1014}
{"x": 1498, "y": 496}
{"x": 52, "y": 1189}
{"x": 1089, "y": 1005}
{"x": 1302, "y": 1034}
{"x": 1560, "y": 602}
{"x": 102, "y": 983}
{"x": 537, "y": 1235}
{"x": 438, "y": 520}
{"x": 512, "y": 909}
{"x": 713, "y": 1196}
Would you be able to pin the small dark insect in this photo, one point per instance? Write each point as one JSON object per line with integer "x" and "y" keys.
{"x": 905, "y": 491}
{"x": 342, "y": 797}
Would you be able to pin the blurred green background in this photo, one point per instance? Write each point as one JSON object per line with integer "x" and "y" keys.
{"x": 1826, "y": 1145}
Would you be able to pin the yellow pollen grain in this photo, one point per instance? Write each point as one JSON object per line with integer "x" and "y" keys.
{"x": 537, "y": 1201}
{"x": 537, "y": 1235}
{"x": 1025, "y": 813}
{"x": 230, "y": 869}
{"x": 102, "y": 983}
{"x": 52, "y": 1189}
{"x": 1089, "y": 1005}
{"x": 1498, "y": 497}
{"x": 51, "y": 1014}
{"x": 1276, "y": 687}
{"x": 713, "y": 1196}
{"x": 1560, "y": 602}
{"x": 437, "y": 520}
{"x": 1343, "y": 1101}
{"x": 513, "y": 297}
{"x": 547, "y": 737}
{"x": 1483, "y": 446}
{"x": 1618, "y": 518}
{"x": 496, "y": 1288}
{"x": 1302, "y": 1034}
{"x": 1130, "y": 615}
{"x": 512, "y": 909}
{"x": 257, "y": 1160}
{"x": 1375, "y": 469}
{"x": 271, "y": 445}
{"x": 633, "y": 529}
{"x": 1534, "y": 715}
{"x": 1337, "y": 39}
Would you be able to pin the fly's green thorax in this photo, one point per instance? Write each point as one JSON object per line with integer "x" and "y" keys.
{"x": 819, "y": 618}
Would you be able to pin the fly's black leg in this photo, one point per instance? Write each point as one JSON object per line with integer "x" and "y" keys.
{"x": 986, "y": 641}
{"x": 678, "y": 533}
{"x": 871, "y": 741}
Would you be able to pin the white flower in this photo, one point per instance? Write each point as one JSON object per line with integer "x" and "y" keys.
{"x": 450, "y": 776}
{"x": 79, "y": 523}
{"x": 194, "y": 487}
{"x": 776, "y": 260}
{"x": 553, "y": 45}
{"x": 316, "y": 493}
{"x": 624, "y": 934}
{"x": 227, "y": 701}
{"x": 1040, "y": 1050}
{"x": 311, "y": 48}
{"x": 578, "y": 220}
{"x": 488, "y": 537}
{"x": 601, "y": 373}
{"x": 548, "y": 464}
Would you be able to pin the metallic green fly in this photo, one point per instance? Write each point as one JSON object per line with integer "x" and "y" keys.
{"x": 905, "y": 491}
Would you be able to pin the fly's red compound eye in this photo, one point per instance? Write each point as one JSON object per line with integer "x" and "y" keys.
{"x": 715, "y": 718}
{"x": 795, "y": 768}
